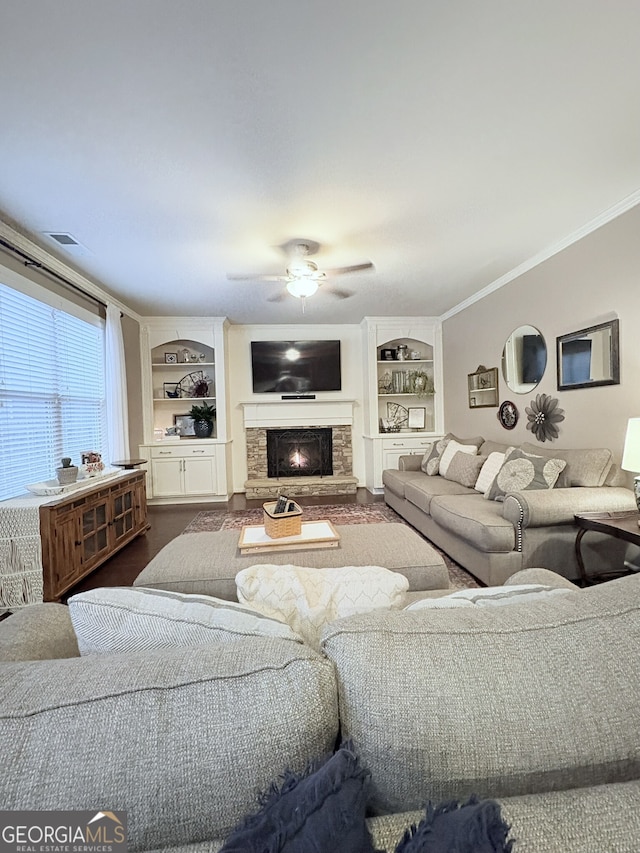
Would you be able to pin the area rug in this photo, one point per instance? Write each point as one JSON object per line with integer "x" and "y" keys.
{"x": 377, "y": 513}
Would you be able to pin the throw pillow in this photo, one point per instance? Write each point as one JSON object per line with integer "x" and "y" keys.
{"x": 464, "y": 468}
{"x": 125, "y": 619}
{"x": 431, "y": 460}
{"x": 522, "y": 471}
{"x": 450, "y": 450}
{"x": 308, "y": 598}
{"x": 495, "y": 596}
{"x": 489, "y": 470}
{"x": 321, "y": 810}
{"x": 476, "y": 826}
{"x": 427, "y": 456}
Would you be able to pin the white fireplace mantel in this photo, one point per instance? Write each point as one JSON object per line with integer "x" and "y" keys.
{"x": 294, "y": 413}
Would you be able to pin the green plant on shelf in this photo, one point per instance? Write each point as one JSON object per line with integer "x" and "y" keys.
{"x": 205, "y": 412}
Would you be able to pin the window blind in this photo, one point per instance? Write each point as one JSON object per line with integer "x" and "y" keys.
{"x": 52, "y": 393}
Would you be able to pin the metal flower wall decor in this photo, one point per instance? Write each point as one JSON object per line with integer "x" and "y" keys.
{"x": 543, "y": 415}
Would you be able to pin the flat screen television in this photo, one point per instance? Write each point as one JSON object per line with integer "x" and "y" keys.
{"x": 295, "y": 367}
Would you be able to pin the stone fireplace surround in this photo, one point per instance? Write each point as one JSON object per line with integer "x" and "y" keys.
{"x": 299, "y": 414}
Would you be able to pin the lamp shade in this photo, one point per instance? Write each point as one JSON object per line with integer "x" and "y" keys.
{"x": 631, "y": 454}
{"x": 300, "y": 287}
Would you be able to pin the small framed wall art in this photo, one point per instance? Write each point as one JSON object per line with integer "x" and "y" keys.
{"x": 482, "y": 387}
{"x": 171, "y": 358}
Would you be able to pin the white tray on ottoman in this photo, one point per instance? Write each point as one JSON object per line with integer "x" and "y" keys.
{"x": 207, "y": 563}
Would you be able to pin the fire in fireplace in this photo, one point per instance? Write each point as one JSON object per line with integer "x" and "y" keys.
{"x": 299, "y": 452}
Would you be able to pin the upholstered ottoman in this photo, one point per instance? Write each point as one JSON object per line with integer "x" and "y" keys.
{"x": 207, "y": 563}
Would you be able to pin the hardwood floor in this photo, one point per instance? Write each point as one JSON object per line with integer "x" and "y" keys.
{"x": 167, "y": 522}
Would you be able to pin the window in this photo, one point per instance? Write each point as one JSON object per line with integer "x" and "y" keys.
{"x": 52, "y": 392}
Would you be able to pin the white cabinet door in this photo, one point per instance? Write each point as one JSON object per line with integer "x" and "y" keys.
{"x": 167, "y": 477}
{"x": 200, "y": 476}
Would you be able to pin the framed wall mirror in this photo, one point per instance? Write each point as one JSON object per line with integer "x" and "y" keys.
{"x": 524, "y": 359}
{"x": 589, "y": 357}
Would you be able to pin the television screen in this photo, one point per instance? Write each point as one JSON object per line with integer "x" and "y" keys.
{"x": 295, "y": 367}
{"x": 534, "y": 358}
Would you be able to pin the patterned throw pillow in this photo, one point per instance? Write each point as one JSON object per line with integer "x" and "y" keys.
{"x": 489, "y": 470}
{"x": 524, "y": 471}
{"x": 464, "y": 468}
{"x": 427, "y": 456}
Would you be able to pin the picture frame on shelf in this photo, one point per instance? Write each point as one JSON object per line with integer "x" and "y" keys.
{"x": 417, "y": 417}
{"x": 171, "y": 358}
{"x": 387, "y": 355}
{"x": 184, "y": 425}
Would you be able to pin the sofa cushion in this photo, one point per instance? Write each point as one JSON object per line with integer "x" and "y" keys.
{"x": 124, "y": 619}
{"x": 491, "y": 596}
{"x": 522, "y": 471}
{"x": 396, "y": 481}
{"x": 450, "y": 451}
{"x": 507, "y": 701}
{"x": 420, "y": 492}
{"x": 322, "y": 810}
{"x": 584, "y": 467}
{"x": 308, "y": 598}
{"x": 180, "y": 740}
{"x": 474, "y": 520}
{"x": 464, "y": 468}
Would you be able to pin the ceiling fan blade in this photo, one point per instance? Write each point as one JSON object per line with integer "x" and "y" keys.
{"x": 257, "y": 277}
{"x": 353, "y": 268}
{"x": 278, "y": 297}
{"x": 339, "y": 292}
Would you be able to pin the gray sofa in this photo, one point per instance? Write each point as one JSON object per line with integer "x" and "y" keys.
{"x": 493, "y": 539}
{"x": 533, "y": 704}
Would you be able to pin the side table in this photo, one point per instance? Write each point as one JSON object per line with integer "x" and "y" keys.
{"x": 621, "y": 525}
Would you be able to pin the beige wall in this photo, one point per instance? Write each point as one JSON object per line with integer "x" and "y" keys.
{"x": 592, "y": 281}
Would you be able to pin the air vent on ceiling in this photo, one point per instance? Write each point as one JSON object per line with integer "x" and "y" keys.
{"x": 67, "y": 241}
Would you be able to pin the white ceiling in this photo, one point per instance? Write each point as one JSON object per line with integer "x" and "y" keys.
{"x": 447, "y": 141}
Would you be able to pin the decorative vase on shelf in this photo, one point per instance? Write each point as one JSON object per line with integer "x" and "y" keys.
{"x": 202, "y": 428}
{"x": 68, "y": 473}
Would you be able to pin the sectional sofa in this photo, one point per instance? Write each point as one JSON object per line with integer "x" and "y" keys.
{"x": 534, "y": 704}
{"x": 492, "y": 539}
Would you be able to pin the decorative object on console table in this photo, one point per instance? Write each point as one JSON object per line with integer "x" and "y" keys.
{"x": 68, "y": 473}
{"x": 92, "y": 463}
{"x": 482, "y": 387}
{"x": 203, "y": 417}
{"x": 543, "y": 415}
{"x": 631, "y": 455}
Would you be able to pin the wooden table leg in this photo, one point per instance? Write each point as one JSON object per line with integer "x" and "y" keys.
{"x": 579, "y": 560}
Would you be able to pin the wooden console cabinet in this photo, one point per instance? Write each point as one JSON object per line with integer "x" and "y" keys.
{"x": 79, "y": 532}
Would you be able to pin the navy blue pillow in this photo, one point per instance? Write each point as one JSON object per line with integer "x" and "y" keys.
{"x": 474, "y": 827}
{"x": 321, "y": 811}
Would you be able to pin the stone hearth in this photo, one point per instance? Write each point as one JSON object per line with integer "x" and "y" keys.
{"x": 260, "y": 486}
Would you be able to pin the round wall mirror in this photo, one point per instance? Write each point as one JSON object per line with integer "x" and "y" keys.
{"x": 524, "y": 359}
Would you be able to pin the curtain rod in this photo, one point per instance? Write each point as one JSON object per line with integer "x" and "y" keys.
{"x": 30, "y": 262}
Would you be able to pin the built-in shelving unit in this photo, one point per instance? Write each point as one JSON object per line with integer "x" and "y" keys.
{"x": 403, "y": 378}
{"x": 184, "y": 364}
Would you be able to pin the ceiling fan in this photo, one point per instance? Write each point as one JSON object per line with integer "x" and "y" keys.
{"x": 302, "y": 277}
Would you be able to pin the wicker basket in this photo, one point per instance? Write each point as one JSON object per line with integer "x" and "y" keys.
{"x": 282, "y": 524}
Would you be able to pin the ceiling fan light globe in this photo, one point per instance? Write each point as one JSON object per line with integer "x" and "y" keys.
{"x": 302, "y": 287}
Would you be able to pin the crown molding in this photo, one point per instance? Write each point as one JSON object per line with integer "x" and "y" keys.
{"x": 602, "y": 219}
{"x": 42, "y": 256}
